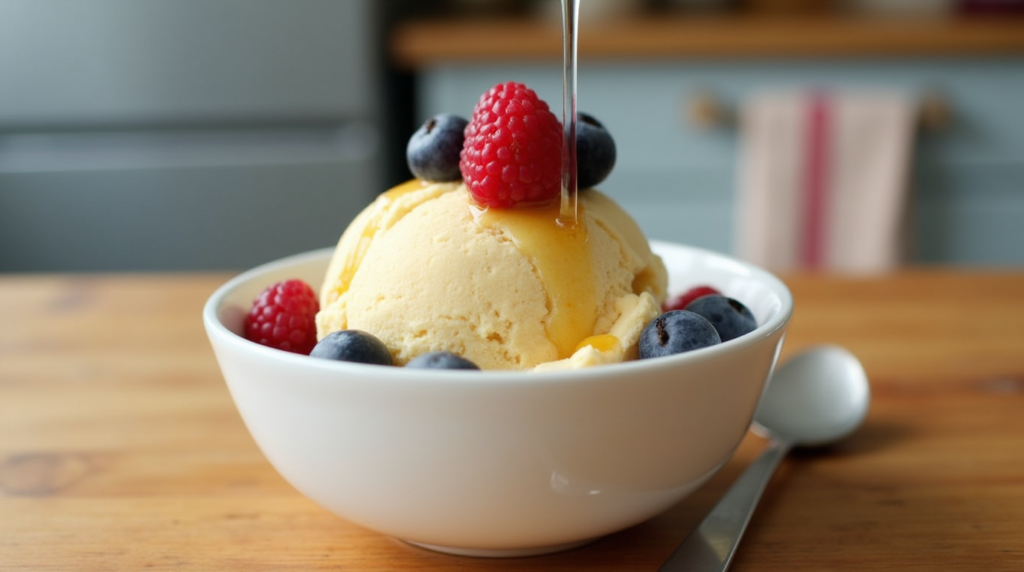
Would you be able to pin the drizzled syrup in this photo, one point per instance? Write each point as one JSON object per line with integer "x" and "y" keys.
{"x": 563, "y": 263}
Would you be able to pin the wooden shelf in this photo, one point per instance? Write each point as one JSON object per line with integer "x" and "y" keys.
{"x": 416, "y": 44}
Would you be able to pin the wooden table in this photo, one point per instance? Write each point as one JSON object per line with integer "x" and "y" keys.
{"x": 120, "y": 448}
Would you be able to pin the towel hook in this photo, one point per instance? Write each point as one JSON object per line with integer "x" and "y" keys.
{"x": 934, "y": 113}
{"x": 706, "y": 111}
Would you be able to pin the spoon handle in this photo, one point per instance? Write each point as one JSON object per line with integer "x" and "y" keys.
{"x": 711, "y": 546}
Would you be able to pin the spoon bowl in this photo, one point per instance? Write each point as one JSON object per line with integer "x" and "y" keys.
{"x": 816, "y": 398}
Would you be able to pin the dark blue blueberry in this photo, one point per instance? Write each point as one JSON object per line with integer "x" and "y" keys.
{"x": 731, "y": 318}
{"x": 676, "y": 332}
{"x": 352, "y": 345}
{"x": 595, "y": 152}
{"x": 441, "y": 360}
{"x": 433, "y": 150}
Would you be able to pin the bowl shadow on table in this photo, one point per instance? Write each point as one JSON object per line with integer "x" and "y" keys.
{"x": 874, "y": 436}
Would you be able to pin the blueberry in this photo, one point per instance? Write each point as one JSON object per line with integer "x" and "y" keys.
{"x": 352, "y": 345}
{"x": 676, "y": 332}
{"x": 441, "y": 360}
{"x": 730, "y": 317}
{"x": 433, "y": 150}
{"x": 595, "y": 152}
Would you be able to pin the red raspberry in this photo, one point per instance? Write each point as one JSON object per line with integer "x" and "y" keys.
{"x": 284, "y": 317}
{"x": 683, "y": 300}
{"x": 513, "y": 149}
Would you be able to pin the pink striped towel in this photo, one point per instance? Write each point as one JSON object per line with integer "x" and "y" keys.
{"x": 823, "y": 180}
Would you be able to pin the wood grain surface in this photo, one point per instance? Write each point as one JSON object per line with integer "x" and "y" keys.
{"x": 120, "y": 448}
{"x": 421, "y": 43}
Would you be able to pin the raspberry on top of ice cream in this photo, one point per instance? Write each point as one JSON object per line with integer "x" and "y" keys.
{"x": 513, "y": 149}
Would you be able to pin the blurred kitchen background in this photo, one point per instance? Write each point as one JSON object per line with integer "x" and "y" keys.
{"x": 219, "y": 134}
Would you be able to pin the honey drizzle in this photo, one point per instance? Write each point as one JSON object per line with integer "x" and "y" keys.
{"x": 602, "y": 342}
{"x": 564, "y": 263}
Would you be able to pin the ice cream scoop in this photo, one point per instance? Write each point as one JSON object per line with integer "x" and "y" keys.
{"x": 425, "y": 269}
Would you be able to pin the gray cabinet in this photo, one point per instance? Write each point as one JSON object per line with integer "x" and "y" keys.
{"x": 679, "y": 182}
{"x": 184, "y": 134}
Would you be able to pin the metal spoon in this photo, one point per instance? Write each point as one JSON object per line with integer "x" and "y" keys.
{"x": 818, "y": 397}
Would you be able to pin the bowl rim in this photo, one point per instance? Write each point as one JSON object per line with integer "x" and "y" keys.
{"x": 218, "y": 332}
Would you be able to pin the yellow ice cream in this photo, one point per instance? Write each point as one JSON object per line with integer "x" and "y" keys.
{"x": 424, "y": 269}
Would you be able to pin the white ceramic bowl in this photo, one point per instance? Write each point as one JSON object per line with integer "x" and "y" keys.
{"x": 501, "y": 463}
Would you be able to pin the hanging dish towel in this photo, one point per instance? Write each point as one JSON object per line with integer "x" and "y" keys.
{"x": 823, "y": 180}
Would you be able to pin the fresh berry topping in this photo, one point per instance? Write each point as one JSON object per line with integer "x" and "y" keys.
{"x": 441, "y": 360}
{"x": 595, "y": 151}
{"x": 353, "y": 345}
{"x": 513, "y": 149}
{"x": 683, "y": 300}
{"x": 676, "y": 332}
{"x": 284, "y": 317}
{"x": 433, "y": 150}
{"x": 729, "y": 317}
